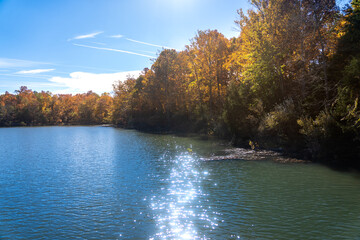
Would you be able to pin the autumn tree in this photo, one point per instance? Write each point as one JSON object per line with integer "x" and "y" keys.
{"x": 103, "y": 109}
{"x": 8, "y": 104}
{"x": 207, "y": 53}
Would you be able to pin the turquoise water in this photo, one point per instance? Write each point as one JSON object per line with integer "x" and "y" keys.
{"x": 106, "y": 183}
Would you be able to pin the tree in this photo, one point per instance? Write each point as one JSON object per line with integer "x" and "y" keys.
{"x": 207, "y": 53}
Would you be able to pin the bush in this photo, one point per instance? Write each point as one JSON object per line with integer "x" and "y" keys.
{"x": 279, "y": 127}
{"x": 327, "y": 141}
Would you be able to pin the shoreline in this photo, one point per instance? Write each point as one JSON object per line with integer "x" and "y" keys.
{"x": 234, "y": 152}
{"x": 254, "y": 155}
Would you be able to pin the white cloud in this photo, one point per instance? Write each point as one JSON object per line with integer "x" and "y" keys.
{"x": 116, "y": 36}
{"x": 147, "y": 52}
{"x": 90, "y": 35}
{"x": 13, "y": 63}
{"x": 81, "y": 82}
{"x": 35, "y": 71}
{"x": 149, "y": 44}
{"x": 113, "y": 50}
{"x": 24, "y": 76}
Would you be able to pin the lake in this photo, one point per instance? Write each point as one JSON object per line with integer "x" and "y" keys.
{"x": 108, "y": 183}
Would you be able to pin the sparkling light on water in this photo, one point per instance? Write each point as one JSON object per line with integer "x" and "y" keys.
{"x": 180, "y": 209}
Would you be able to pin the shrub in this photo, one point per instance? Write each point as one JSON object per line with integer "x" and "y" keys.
{"x": 280, "y": 126}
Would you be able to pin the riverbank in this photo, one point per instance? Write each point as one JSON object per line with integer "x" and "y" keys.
{"x": 250, "y": 152}
{"x": 254, "y": 155}
{"x": 263, "y": 151}
{"x": 233, "y": 151}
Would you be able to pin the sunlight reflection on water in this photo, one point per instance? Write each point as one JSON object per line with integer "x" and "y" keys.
{"x": 179, "y": 208}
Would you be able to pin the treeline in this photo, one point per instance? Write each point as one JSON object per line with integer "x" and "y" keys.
{"x": 290, "y": 81}
{"x": 28, "y": 108}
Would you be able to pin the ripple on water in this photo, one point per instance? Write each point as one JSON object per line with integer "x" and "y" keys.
{"x": 105, "y": 183}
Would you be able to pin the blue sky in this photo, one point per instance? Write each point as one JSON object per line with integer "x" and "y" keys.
{"x": 71, "y": 46}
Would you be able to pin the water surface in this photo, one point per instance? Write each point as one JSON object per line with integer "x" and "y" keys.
{"x": 106, "y": 183}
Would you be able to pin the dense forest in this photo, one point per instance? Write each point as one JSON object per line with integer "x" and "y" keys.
{"x": 290, "y": 81}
